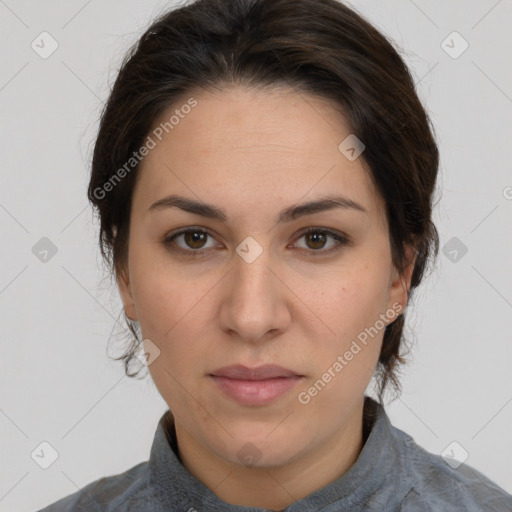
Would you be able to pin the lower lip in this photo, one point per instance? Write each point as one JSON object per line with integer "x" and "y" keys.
{"x": 255, "y": 392}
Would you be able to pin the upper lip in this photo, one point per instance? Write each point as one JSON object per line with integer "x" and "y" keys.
{"x": 267, "y": 371}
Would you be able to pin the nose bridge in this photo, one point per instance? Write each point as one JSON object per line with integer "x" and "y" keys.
{"x": 251, "y": 266}
{"x": 252, "y": 279}
{"x": 254, "y": 303}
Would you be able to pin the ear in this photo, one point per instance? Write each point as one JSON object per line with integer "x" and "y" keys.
{"x": 125, "y": 291}
{"x": 401, "y": 284}
{"x": 123, "y": 284}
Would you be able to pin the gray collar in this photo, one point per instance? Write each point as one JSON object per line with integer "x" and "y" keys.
{"x": 355, "y": 490}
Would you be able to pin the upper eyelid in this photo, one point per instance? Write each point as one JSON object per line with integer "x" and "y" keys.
{"x": 332, "y": 232}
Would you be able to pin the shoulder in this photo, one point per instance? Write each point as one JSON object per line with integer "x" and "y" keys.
{"x": 435, "y": 485}
{"x": 118, "y": 492}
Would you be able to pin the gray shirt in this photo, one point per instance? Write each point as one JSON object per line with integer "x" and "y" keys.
{"x": 391, "y": 474}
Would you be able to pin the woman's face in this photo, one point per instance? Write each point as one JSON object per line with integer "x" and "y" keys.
{"x": 247, "y": 286}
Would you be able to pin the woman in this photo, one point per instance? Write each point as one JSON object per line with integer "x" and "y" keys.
{"x": 264, "y": 176}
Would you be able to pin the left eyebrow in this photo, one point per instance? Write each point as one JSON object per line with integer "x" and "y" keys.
{"x": 320, "y": 205}
{"x": 191, "y": 206}
{"x": 287, "y": 215}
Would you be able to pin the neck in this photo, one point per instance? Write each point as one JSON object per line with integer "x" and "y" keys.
{"x": 277, "y": 487}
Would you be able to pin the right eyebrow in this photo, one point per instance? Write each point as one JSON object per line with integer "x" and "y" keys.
{"x": 287, "y": 215}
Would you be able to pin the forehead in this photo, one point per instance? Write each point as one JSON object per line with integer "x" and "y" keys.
{"x": 257, "y": 147}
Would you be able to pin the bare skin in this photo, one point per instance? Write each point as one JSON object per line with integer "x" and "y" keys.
{"x": 300, "y": 304}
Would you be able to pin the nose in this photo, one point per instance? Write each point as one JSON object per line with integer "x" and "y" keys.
{"x": 255, "y": 305}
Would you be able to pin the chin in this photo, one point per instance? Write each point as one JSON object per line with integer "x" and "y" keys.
{"x": 259, "y": 449}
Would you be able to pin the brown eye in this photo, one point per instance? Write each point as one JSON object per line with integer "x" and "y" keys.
{"x": 190, "y": 240}
{"x": 316, "y": 239}
{"x": 195, "y": 239}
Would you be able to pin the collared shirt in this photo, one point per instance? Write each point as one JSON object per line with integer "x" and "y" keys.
{"x": 391, "y": 474}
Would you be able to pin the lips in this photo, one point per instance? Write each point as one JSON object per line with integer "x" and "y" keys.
{"x": 254, "y": 386}
{"x": 240, "y": 372}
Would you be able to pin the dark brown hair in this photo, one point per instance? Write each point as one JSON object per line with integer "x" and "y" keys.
{"x": 320, "y": 47}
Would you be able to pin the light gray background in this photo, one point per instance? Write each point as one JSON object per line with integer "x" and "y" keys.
{"x": 57, "y": 383}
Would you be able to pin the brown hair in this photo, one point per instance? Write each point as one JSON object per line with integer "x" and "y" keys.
{"x": 320, "y": 47}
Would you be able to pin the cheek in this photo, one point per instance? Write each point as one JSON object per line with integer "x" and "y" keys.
{"x": 352, "y": 301}
{"x": 344, "y": 362}
{"x": 152, "y": 303}
{"x": 159, "y": 299}
{"x": 351, "y": 306}
{"x": 173, "y": 321}
{"x": 173, "y": 316}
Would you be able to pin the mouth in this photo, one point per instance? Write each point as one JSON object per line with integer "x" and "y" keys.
{"x": 254, "y": 386}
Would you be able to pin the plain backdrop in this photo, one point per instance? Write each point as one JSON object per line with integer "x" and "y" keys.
{"x": 57, "y": 383}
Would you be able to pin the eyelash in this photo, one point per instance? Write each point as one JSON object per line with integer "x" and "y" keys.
{"x": 341, "y": 240}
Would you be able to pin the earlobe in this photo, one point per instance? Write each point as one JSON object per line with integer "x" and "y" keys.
{"x": 123, "y": 283}
{"x": 401, "y": 283}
